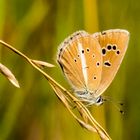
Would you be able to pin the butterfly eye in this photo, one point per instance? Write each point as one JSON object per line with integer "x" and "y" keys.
{"x": 99, "y": 100}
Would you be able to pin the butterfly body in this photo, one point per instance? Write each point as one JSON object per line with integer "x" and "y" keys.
{"x": 91, "y": 61}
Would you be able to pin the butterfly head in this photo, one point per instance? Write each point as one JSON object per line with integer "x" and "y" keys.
{"x": 89, "y": 98}
{"x": 99, "y": 101}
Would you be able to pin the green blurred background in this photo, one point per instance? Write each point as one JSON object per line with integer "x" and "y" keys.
{"x": 37, "y": 27}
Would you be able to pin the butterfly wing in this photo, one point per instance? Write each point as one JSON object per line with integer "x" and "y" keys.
{"x": 114, "y": 44}
{"x": 81, "y": 61}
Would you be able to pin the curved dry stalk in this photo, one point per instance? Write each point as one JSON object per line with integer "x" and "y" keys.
{"x": 90, "y": 124}
{"x": 67, "y": 98}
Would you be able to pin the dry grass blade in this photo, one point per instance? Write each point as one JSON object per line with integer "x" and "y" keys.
{"x": 42, "y": 64}
{"x": 9, "y": 75}
{"x": 61, "y": 95}
{"x": 80, "y": 110}
{"x": 87, "y": 126}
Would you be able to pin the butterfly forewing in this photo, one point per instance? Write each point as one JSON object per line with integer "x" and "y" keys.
{"x": 114, "y": 44}
{"x": 81, "y": 61}
{"x": 91, "y": 51}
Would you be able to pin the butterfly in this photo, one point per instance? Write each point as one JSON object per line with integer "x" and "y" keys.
{"x": 91, "y": 61}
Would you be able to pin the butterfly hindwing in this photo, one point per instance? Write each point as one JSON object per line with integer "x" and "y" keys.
{"x": 114, "y": 44}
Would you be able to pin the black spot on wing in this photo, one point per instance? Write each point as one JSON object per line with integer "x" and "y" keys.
{"x": 94, "y": 77}
{"x": 107, "y": 63}
{"x": 103, "y": 51}
{"x": 87, "y": 49}
{"x": 117, "y": 52}
{"x": 114, "y": 47}
{"x": 75, "y": 60}
{"x": 109, "y": 47}
{"x": 98, "y": 63}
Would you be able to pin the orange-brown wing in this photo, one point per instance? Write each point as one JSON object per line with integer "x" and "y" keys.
{"x": 81, "y": 61}
{"x": 114, "y": 44}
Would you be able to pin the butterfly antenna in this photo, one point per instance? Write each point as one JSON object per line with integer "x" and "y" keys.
{"x": 116, "y": 105}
